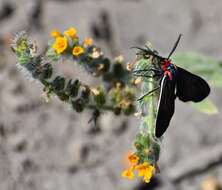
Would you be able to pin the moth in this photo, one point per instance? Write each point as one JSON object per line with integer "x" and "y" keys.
{"x": 175, "y": 82}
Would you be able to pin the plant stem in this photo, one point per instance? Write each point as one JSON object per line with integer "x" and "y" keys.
{"x": 151, "y": 109}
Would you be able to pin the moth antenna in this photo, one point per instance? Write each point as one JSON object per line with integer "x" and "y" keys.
{"x": 139, "y": 48}
{"x": 153, "y": 53}
{"x": 175, "y": 46}
{"x": 147, "y": 50}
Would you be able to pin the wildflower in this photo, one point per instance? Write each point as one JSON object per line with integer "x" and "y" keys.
{"x": 148, "y": 175}
{"x": 100, "y": 67}
{"x": 119, "y": 59}
{"x": 88, "y": 42}
{"x": 146, "y": 151}
{"x": 55, "y": 33}
{"x": 124, "y": 103}
{"x": 146, "y": 171}
{"x": 130, "y": 65}
{"x": 138, "y": 80}
{"x": 78, "y": 50}
{"x": 134, "y": 159}
{"x": 60, "y": 45}
{"x": 138, "y": 114}
{"x": 143, "y": 168}
{"x": 71, "y": 32}
{"x": 118, "y": 85}
{"x": 96, "y": 53}
{"x": 95, "y": 91}
{"x": 128, "y": 173}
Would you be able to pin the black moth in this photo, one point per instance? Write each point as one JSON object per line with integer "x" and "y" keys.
{"x": 174, "y": 82}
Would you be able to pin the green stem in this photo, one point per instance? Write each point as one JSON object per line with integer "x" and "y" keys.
{"x": 151, "y": 109}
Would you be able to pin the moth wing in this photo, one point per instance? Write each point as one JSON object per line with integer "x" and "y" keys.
{"x": 191, "y": 87}
{"x": 166, "y": 105}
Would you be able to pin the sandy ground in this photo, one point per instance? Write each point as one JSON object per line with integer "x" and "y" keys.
{"x": 45, "y": 146}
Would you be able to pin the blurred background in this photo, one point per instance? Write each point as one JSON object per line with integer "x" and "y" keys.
{"x": 46, "y": 146}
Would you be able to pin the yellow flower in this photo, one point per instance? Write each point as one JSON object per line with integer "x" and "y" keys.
{"x": 142, "y": 168}
{"x": 147, "y": 178}
{"x": 78, "y": 50}
{"x": 148, "y": 174}
{"x": 71, "y": 32}
{"x": 133, "y": 159}
{"x": 128, "y": 173}
{"x": 55, "y": 33}
{"x": 88, "y": 42}
{"x": 146, "y": 171}
{"x": 60, "y": 45}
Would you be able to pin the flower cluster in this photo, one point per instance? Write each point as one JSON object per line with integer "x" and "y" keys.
{"x": 68, "y": 42}
{"x": 146, "y": 146}
{"x": 67, "y": 45}
{"x": 122, "y": 98}
{"x": 116, "y": 93}
{"x": 144, "y": 169}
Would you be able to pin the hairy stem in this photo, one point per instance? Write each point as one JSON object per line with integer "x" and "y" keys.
{"x": 151, "y": 109}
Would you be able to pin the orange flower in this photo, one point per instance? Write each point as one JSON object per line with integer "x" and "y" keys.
{"x": 133, "y": 158}
{"x": 88, "y": 42}
{"x": 78, "y": 50}
{"x": 60, "y": 45}
{"x": 55, "y": 33}
{"x": 128, "y": 173}
{"x": 71, "y": 32}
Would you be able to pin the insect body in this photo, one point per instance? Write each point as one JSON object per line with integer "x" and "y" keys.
{"x": 168, "y": 68}
{"x": 174, "y": 82}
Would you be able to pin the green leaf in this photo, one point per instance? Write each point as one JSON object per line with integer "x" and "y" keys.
{"x": 206, "y": 106}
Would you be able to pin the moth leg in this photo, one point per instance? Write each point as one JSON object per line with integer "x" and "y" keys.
{"x": 148, "y": 93}
{"x": 146, "y": 76}
{"x": 146, "y": 70}
{"x": 94, "y": 119}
